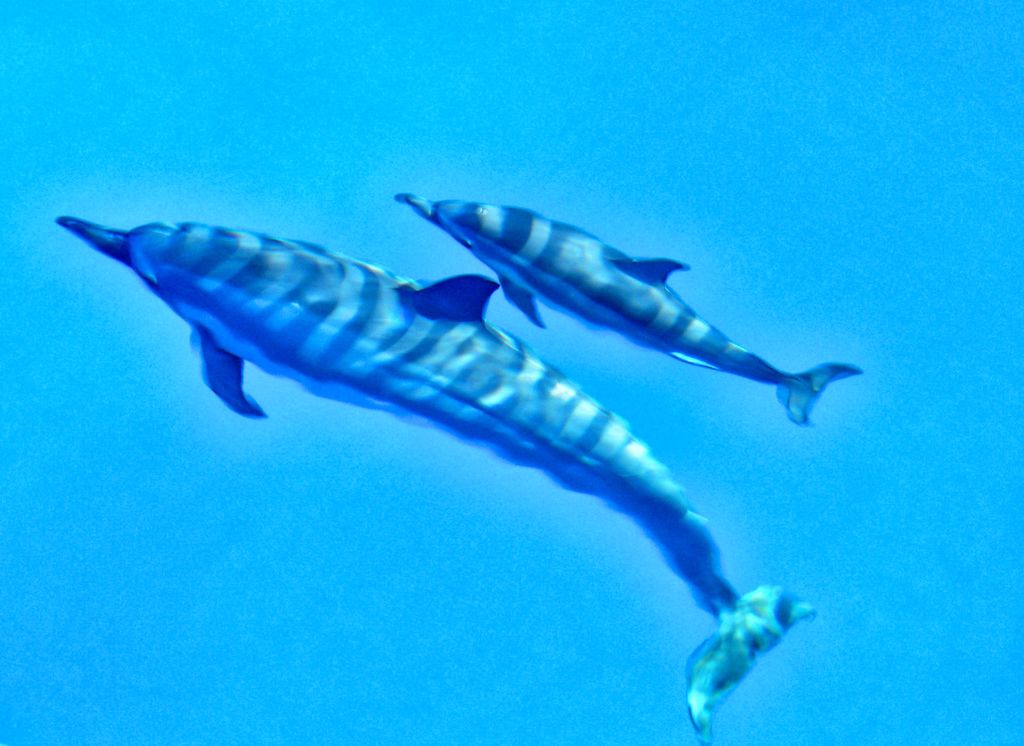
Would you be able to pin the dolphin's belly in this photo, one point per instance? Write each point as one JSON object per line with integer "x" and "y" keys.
{"x": 603, "y": 298}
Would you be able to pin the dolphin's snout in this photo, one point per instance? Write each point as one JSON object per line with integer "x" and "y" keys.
{"x": 80, "y": 228}
{"x": 110, "y": 241}
{"x": 423, "y": 206}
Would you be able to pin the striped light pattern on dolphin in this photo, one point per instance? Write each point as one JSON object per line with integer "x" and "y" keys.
{"x": 577, "y": 272}
{"x": 350, "y": 330}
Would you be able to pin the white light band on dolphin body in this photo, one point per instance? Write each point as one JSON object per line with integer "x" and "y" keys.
{"x": 347, "y": 329}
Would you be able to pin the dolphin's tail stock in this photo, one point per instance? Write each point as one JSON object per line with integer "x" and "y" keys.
{"x": 797, "y": 393}
{"x": 753, "y": 626}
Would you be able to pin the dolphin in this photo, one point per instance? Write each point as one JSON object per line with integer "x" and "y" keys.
{"x": 353, "y": 331}
{"x": 575, "y": 271}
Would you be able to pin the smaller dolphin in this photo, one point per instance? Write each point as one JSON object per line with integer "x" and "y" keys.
{"x": 577, "y": 272}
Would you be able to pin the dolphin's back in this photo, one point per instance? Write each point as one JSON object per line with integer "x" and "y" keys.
{"x": 576, "y": 271}
{"x": 335, "y": 323}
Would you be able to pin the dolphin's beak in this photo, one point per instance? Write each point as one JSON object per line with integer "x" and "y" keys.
{"x": 423, "y": 206}
{"x": 113, "y": 243}
{"x": 429, "y": 210}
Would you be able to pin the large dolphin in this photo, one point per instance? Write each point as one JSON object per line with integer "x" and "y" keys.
{"x": 353, "y": 331}
{"x": 577, "y": 272}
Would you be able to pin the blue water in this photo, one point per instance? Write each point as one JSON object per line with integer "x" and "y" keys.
{"x": 846, "y": 184}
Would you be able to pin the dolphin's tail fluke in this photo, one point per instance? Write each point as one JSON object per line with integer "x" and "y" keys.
{"x": 797, "y": 393}
{"x": 752, "y": 627}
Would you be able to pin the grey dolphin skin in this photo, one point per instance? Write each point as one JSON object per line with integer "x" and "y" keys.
{"x": 353, "y": 331}
{"x": 577, "y": 272}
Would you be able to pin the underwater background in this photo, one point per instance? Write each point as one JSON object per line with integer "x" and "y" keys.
{"x": 846, "y": 184}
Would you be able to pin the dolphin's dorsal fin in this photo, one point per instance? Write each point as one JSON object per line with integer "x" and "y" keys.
{"x": 651, "y": 271}
{"x": 222, "y": 372}
{"x": 461, "y": 298}
{"x": 522, "y": 299}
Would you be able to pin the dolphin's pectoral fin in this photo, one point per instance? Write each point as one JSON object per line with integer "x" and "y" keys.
{"x": 222, "y": 372}
{"x": 651, "y": 271}
{"x": 522, "y": 299}
{"x": 461, "y": 298}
